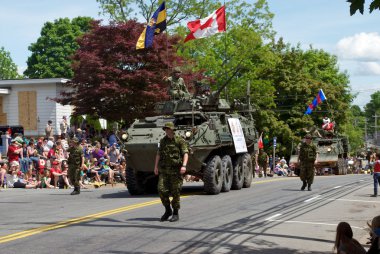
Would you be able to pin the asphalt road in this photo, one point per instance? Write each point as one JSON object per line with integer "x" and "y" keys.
{"x": 273, "y": 216}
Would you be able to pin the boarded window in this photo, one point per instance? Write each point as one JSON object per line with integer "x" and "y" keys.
{"x": 27, "y": 109}
{"x": 3, "y": 116}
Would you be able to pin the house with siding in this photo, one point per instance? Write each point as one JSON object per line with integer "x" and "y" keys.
{"x": 27, "y": 102}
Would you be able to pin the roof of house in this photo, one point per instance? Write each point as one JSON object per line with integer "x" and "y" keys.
{"x": 11, "y": 82}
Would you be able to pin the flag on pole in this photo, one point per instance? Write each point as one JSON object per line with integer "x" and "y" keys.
{"x": 317, "y": 100}
{"x": 201, "y": 28}
{"x": 157, "y": 25}
{"x": 260, "y": 142}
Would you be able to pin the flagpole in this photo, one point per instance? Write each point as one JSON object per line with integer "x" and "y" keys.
{"x": 167, "y": 43}
{"x": 225, "y": 55}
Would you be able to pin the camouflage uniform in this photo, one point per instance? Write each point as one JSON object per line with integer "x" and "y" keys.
{"x": 75, "y": 162}
{"x": 307, "y": 157}
{"x": 170, "y": 181}
{"x": 178, "y": 89}
{"x": 263, "y": 161}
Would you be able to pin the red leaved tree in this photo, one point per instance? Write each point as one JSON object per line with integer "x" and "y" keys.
{"x": 112, "y": 79}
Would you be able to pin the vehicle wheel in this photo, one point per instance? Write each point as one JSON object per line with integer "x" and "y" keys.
{"x": 228, "y": 171}
{"x": 248, "y": 170}
{"x": 150, "y": 184}
{"x": 213, "y": 176}
{"x": 342, "y": 168}
{"x": 133, "y": 185}
{"x": 238, "y": 177}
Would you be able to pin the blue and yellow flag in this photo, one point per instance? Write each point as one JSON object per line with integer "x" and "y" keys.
{"x": 157, "y": 25}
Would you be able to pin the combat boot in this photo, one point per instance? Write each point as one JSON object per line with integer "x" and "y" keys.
{"x": 309, "y": 187}
{"x": 303, "y": 185}
{"x": 76, "y": 191}
{"x": 175, "y": 216}
{"x": 167, "y": 214}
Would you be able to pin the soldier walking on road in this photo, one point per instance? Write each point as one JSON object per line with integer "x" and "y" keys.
{"x": 76, "y": 163}
{"x": 307, "y": 158}
{"x": 263, "y": 161}
{"x": 172, "y": 157}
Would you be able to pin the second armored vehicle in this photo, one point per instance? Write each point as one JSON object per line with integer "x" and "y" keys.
{"x": 332, "y": 151}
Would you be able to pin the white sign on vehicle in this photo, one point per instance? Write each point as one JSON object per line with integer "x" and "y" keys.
{"x": 237, "y": 135}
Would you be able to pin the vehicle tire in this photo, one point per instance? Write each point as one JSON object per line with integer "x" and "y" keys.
{"x": 248, "y": 170}
{"x": 228, "y": 171}
{"x": 151, "y": 184}
{"x": 238, "y": 177}
{"x": 336, "y": 170}
{"x": 133, "y": 185}
{"x": 213, "y": 176}
{"x": 341, "y": 166}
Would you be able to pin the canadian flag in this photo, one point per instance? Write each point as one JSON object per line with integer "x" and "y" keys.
{"x": 260, "y": 142}
{"x": 201, "y": 28}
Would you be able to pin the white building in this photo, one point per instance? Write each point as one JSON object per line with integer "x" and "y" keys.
{"x": 28, "y": 102}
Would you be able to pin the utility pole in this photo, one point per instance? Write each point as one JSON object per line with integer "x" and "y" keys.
{"x": 365, "y": 133}
{"x": 375, "y": 126}
{"x": 274, "y": 153}
{"x": 375, "y": 116}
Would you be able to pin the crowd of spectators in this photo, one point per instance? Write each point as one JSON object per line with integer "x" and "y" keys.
{"x": 280, "y": 168}
{"x": 42, "y": 162}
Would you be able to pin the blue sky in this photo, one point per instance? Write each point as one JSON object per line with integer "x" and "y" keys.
{"x": 324, "y": 24}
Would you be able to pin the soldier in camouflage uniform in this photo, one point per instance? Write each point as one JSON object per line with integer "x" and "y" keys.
{"x": 263, "y": 161}
{"x": 171, "y": 158}
{"x": 307, "y": 158}
{"x": 75, "y": 163}
{"x": 177, "y": 88}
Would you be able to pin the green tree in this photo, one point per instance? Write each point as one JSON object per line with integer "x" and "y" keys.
{"x": 178, "y": 11}
{"x": 8, "y": 69}
{"x": 299, "y": 76}
{"x": 353, "y": 128}
{"x": 359, "y": 5}
{"x": 115, "y": 81}
{"x": 51, "y": 54}
{"x": 371, "y": 109}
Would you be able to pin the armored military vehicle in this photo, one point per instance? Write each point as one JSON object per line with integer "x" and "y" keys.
{"x": 332, "y": 151}
{"x": 209, "y": 125}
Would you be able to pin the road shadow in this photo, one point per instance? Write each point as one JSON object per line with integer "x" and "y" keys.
{"x": 187, "y": 190}
{"x": 144, "y": 219}
{"x": 291, "y": 189}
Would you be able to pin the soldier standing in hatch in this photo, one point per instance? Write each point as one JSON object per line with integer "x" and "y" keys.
{"x": 75, "y": 163}
{"x": 177, "y": 88}
{"x": 307, "y": 158}
{"x": 172, "y": 157}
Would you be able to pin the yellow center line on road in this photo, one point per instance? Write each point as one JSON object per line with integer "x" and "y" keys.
{"x": 78, "y": 220}
{"x": 66, "y": 223}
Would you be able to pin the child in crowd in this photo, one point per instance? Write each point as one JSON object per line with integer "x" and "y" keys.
{"x": 344, "y": 241}
{"x": 45, "y": 181}
{"x": 107, "y": 171}
{"x": 374, "y": 227}
{"x": 59, "y": 177}
{"x": 3, "y": 172}
{"x": 92, "y": 170}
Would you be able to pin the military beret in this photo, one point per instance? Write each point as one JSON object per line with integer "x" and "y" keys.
{"x": 308, "y": 136}
{"x": 169, "y": 125}
{"x": 176, "y": 70}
